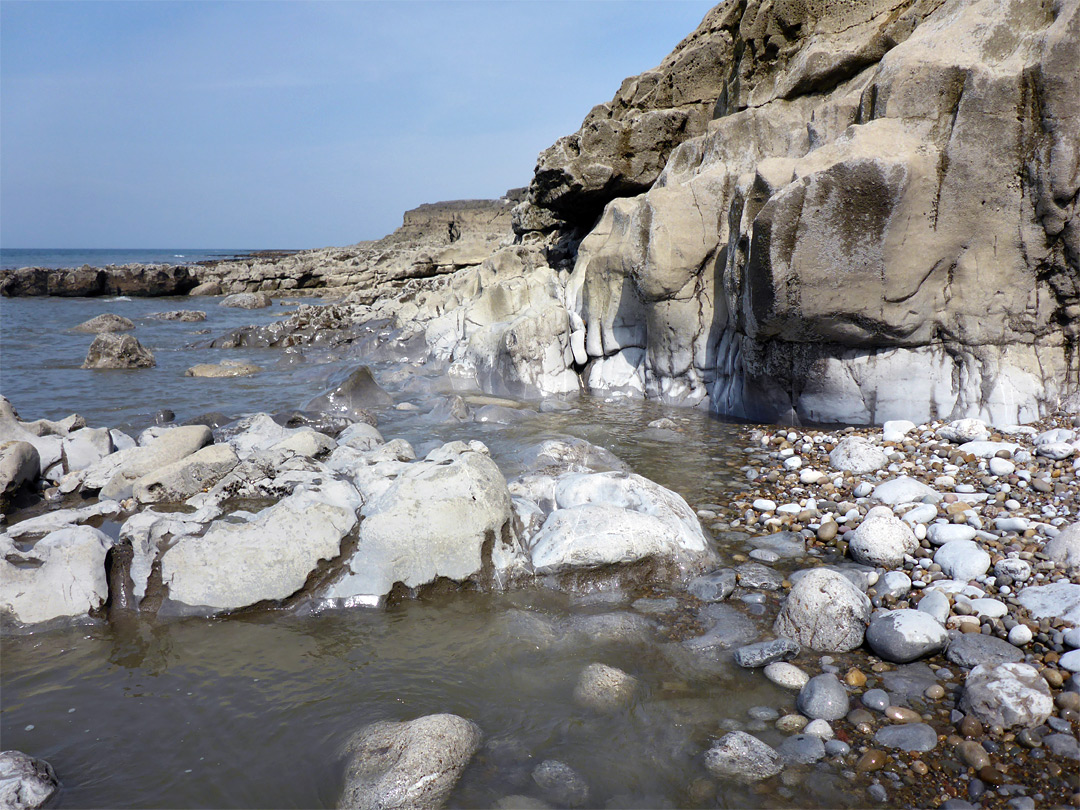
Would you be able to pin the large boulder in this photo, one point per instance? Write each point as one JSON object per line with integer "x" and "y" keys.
{"x": 110, "y": 350}
{"x": 767, "y": 266}
{"x": 609, "y": 518}
{"x": 901, "y": 636}
{"x": 825, "y": 612}
{"x": 19, "y": 464}
{"x": 268, "y": 558}
{"x": 410, "y": 765}
{"x": 742, "y": 756}
{"x": 448, "y": 516}
{"x": 882, "y": 539}
{"x": 61, "y": 576}
{"x": 1064, "y": 550}
{"x": 186, "y": 476}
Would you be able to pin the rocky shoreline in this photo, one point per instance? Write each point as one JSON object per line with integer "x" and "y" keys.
{"x": 930, "y": 647}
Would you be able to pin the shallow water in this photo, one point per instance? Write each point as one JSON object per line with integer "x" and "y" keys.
{"x": 252, "y": 710}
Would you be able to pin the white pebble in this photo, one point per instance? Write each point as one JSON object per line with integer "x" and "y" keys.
{"x": 1020, "y": 635}
{"x": 764, "y": 505}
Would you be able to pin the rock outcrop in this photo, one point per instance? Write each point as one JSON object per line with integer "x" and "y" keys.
{"x": 879, "y": 221}
{"x": 126, "y": 279}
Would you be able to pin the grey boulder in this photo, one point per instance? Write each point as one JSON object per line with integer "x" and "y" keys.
{"x": 823, "y": 698}
{"x": 408, "y": 765}
{"x": 881, "y": 539}
{"x": 110, "y": 350}
{"x": 247, "y": 300}
{"x": 901, "y": 636}
{"x": 972, "y": 649}
{"x": 105, "y": 323}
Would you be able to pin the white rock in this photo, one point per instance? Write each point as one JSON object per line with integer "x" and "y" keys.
{"x": 811, "y": 476}
{"x": 1060, "y": 600}
{"x": 1020, "y": 635}
{"x": 1019, "y": 570}
{"x": 764, "y": 505}
{"x": 941, "y": 533}
{"x": 881, "y": 539}
{"x": 904, "y": 490}
{"x": 857, "y": 455}
{"x": 1001, "y": 467}
{"x": 115, "y": 473}
{"x": 187, "y": 476}
{"x": 923, "y": 513}
{"x": 989, "y": 608}
{"x": 896, "y": 429}
{"x": 786, "y": 675}
{"x": 1070, "y": 661}
{"x": 69, "y": 581}
{"x": 1064, "y": 549}
{"x": 988, "y": 449}
{"x": 962, "y": 560}
{"x": 935, "y": 603}
{"x": 1007, "y": 695}
{"x": 964, "y": 430}
{"x": 603, "y": 688}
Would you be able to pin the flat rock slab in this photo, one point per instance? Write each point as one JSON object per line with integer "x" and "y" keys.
{"x": 972, "y": 649}
{"x": 1060, "y": 600}
{"x": 907, "y": 737}
{"x": 766, "y": 652}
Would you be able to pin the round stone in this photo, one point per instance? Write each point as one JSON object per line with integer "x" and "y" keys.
{"x": 905, "y": 635}
{"x": 824, "y": 611}
{"x": 876, "y": 699}
{"x": 823, "y": 697}
{"x": 907, "y": 737}
{"x": 962, "y": 560}
{"x": 786, "y": 675}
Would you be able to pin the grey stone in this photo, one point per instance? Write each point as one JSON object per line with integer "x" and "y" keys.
{"x": 26, "y": 783}
{"x": 766, "y": 652}
{"x": 823, "y": 697}
{"x": 1065, "y": 548}
{"x": 353, "y": 397}
{"x": 904, "y": 635}
{"x": 19, "y": 464}
{"x": 246, "y": 300}
{"x": 714, "y": 586}
{"x": 907, "y": 737}
{"x": 726, "y": 628}
{"x": 963, "y": 560}
{"x": 413, "y": 764}
{"x": 741, "y": 756}
{"x": 1063, "y": 745}
{"x": 973, "y": 649}
{"x": 108, "y": 322}
{"x": 936, "y": 604}
{"x": 561, "y": 784}
{"x": 824, "y": 612}
{"x": 111, "y": 350}
{"x": 876, "y": 699}
{"x": 187, "y": 476}
{"x": 756, "y": 576}
{"x": 802, "y": 749}
{"x": 603, "y": 688}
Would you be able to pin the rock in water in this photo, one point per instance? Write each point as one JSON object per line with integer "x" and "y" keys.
{"x": 742, "y": 756}
{"x": 560, "y": 783}
{"x": 19, "y": 464}
{"x": 824, "y": 612}
{"x": 604, "y": 688}
{"x": 823, "y": 698}
{"x": 118, "y": 351}
{"x": 26, "y": 783}
{"x": 246, "y": 300}
{"x": 410, "y": 765}
{"x": 106, "y": 323}
{"x": 358, "y": 393}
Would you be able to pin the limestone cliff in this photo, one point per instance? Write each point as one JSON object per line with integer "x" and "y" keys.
{"x": 878, "y": 221}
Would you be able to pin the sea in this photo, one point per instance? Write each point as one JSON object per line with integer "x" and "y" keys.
{"x": 13, "y": 258}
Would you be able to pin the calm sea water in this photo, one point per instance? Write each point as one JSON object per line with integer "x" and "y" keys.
{"x": 252, "y": 710}
{"x": 12, "y": 258}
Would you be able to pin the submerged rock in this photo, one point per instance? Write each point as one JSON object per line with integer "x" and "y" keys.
{"x": 246, "y": 300}
{"x": 226, "y": 368}
{"x": 26, "y": 783}
{"x": 604, "y": 688}
{"x": 118, "y": 351}
{"x": 561, "y": 784}
{"x": 353, "y": 397}
{"x": 410, "y": 765}
{"x": 107, "y": 322}
{"x": 742, "y": 756}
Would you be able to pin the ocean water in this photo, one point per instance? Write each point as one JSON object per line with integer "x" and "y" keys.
{"x": 12, "y": 258}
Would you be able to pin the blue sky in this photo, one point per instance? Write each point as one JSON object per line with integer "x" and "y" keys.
{"x": 291, "y": 124}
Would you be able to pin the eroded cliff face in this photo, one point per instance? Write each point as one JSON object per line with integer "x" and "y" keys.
{"x": 879, "y": 220}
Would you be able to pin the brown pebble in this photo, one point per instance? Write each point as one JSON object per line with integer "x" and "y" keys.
{"x": 1068, "y": 700}
{"x": 991, "y": 775}
{"x": 855, "y": 677}
{"x": 900, "y": 714}
{"x": 970, "y": 726}
{"x": 1052, "y": 676}
{"x": 881, "y": 666}
{"x": 972, "y": 754}
{"x": 872, "y": 760}
{"x": 935, "y": 691}
{"x": 920, "y": 767}
{"x": 859, "y": 715}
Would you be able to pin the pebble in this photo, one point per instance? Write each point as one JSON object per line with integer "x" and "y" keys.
{"x": 1020, "y": 635}
{"x": 972, "y": 754}
{"x": 901, "y": 714}
{"x": 837, "y": 748}
{"x": 1070, "y": 661}
{"x": 876, "y": 699}
{"x": 935, "y": 691}
{"x": 855, "y": 677}
{"x": 907, "y": 737}
{"x": 823, "y": 697}
{"x": 792, "y": 723}
{"x": 786, "y": 675}
{"x": 820, "y": 728}
{"x": 872, "y": 760}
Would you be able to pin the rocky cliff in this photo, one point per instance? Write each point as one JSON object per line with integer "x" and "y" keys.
{"x": 842, "y": 212}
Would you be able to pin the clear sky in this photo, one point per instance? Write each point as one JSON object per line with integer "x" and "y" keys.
{"x": 208, "y": 124}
